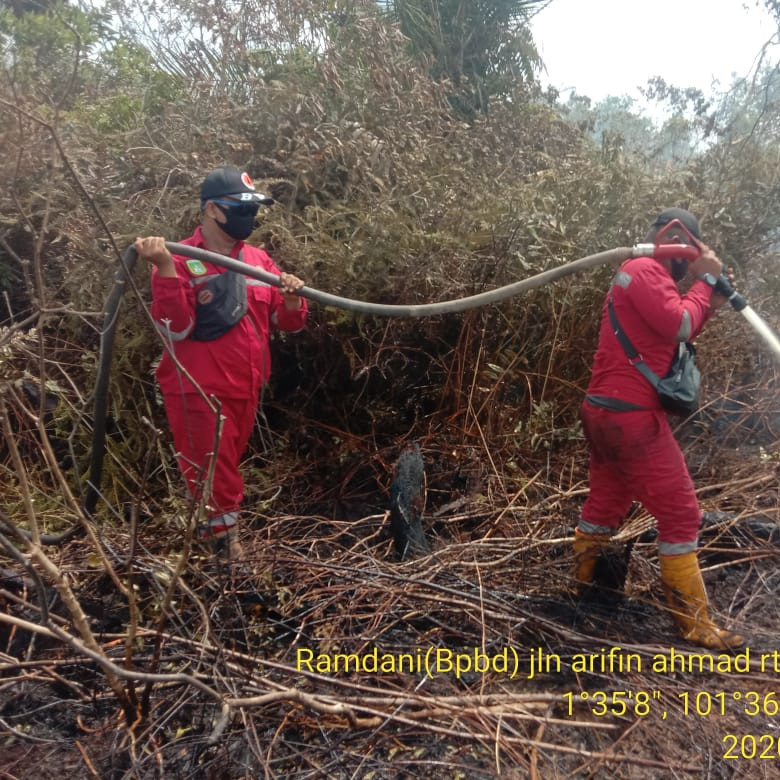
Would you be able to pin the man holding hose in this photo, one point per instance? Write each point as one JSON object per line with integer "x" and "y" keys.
{"x": 633, "y": 454}
{"x": 215, "y": 325}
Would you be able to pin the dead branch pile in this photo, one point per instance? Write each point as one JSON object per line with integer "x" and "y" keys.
{"x": 242, "y": 672}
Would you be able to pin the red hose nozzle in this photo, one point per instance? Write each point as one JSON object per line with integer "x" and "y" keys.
{"x": 688, "y": 252}
{"x": 668, "y": 251}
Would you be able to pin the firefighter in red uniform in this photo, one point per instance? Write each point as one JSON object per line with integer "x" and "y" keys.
{"x": 633, "y": 454}
{"x": 216, "y": 326}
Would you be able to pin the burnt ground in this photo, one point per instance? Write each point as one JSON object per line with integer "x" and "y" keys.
{"x": 496, "y": 582}
{"x": 199, "y": 670}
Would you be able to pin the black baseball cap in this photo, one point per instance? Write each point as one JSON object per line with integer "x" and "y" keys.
{"x": 688, "y": 220}
{"x": 227, "y": 182}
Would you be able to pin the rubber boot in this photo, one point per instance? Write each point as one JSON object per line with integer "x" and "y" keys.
{"x": 228, "y": 548}
{"x": 587, "y": 549}
{"x": 221, "y": 539}
{"x": 685, "y": 594}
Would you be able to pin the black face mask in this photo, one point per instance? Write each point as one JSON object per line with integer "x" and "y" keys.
{"x": 679, "y": 269}
{"x": 239, "y": 224}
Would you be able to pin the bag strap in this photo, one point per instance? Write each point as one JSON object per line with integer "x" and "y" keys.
{"x": 634, "y": 358}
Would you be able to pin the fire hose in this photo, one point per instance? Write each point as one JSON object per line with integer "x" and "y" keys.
{"x": 130, "y": 258}
{"x": 612, "y": 256}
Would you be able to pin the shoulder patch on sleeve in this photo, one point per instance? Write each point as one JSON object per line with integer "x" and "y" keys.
{"x": 196, "y": 267}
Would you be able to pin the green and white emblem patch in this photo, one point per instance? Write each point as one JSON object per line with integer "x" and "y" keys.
{"x": 196, "y": 268}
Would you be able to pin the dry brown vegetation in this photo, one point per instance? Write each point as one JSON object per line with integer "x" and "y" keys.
{"x": 127, "y": 652}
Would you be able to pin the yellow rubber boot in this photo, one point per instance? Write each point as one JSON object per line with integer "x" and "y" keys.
{"x": 587, "y": 548}
{"x": 685, "y": 594}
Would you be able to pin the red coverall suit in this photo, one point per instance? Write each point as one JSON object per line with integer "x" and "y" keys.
{"x": 232, "y": 367}
{"x": 633, "y": 454}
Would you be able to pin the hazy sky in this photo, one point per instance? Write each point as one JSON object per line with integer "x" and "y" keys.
{"x": 609, "y": 47}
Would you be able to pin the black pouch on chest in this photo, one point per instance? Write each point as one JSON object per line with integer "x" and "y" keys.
{"x": 220, "y": 304}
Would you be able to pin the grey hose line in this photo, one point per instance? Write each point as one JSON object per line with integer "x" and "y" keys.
{"x": 420, "y": 310}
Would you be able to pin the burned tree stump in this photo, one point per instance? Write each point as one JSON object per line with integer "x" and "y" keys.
{"x": 407, "y": 503}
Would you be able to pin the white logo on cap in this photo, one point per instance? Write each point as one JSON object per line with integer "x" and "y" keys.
{"x": 247, "y": 181}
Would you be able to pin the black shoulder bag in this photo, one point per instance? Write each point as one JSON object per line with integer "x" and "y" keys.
{"x": 679, "y": 389}
{"x": 221, "y": 304}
